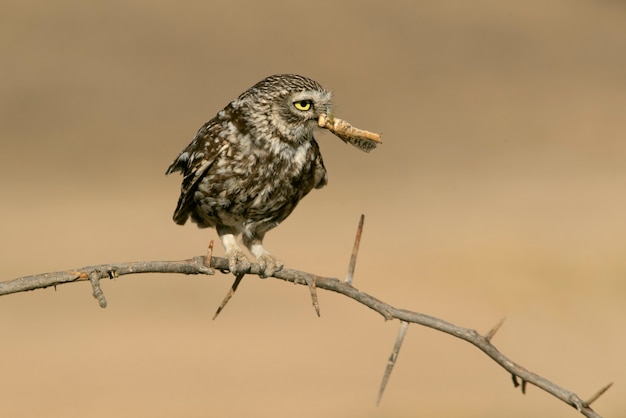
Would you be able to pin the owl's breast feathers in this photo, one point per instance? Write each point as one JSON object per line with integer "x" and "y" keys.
{"x": 236, "y": 172}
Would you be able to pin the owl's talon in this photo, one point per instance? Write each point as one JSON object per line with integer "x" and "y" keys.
{"x": 268, "y": 265}
{"x": 238, "y": 263}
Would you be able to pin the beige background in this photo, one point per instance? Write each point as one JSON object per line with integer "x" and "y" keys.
{"x": 500, "y": 191}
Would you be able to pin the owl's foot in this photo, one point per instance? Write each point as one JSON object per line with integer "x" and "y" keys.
{"x": 268, "y": 265}
{"x": 238, "y": 263}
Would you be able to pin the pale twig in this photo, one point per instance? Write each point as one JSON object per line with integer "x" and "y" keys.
{"x": 41, "y": 281}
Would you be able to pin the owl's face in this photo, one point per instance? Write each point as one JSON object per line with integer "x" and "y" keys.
{"x": 289, "y": 104}
{"x": 299, "y": 111}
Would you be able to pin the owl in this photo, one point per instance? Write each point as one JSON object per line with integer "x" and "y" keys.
{"x": 248, "y": 167}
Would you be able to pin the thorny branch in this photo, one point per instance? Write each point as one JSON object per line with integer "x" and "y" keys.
{"x": 198, "y": 265}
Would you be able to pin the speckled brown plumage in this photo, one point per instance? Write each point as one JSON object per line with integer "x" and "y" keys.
{"x": 249, "y": 166}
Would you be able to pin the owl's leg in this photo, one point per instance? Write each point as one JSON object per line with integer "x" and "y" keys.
{"x": 237, "y": 261}
{"x": 268, "y": 264}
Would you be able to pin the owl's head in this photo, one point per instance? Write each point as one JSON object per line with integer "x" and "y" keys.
{"x": 288, "y": 103}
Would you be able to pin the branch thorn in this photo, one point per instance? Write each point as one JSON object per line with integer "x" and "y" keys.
{"x": 493, "y": 330}
{"x": 94, "y": 279}
{"x": 209, "y": 254}
{"x": 598, "y": 394}
{"x": 230, "y": 294}
{"x": 313, "y": 290}
{"x": 355, "y": 251}
{"x": 392, "y": 359}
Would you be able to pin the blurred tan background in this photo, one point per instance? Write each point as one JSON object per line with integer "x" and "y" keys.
{"x": 500, "y": 191}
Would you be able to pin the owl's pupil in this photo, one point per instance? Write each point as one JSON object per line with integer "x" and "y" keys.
{"x": 303, "y": 104}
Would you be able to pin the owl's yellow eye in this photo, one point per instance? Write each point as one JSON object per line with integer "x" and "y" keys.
{"x": 303, "y": 105}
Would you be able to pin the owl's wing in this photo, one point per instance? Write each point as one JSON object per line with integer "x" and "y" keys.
{"x": 320, "y": 175}
{"x": 193, "y": 163}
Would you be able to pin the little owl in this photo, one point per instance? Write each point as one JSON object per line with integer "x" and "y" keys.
{"x": 249, "y": 166}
